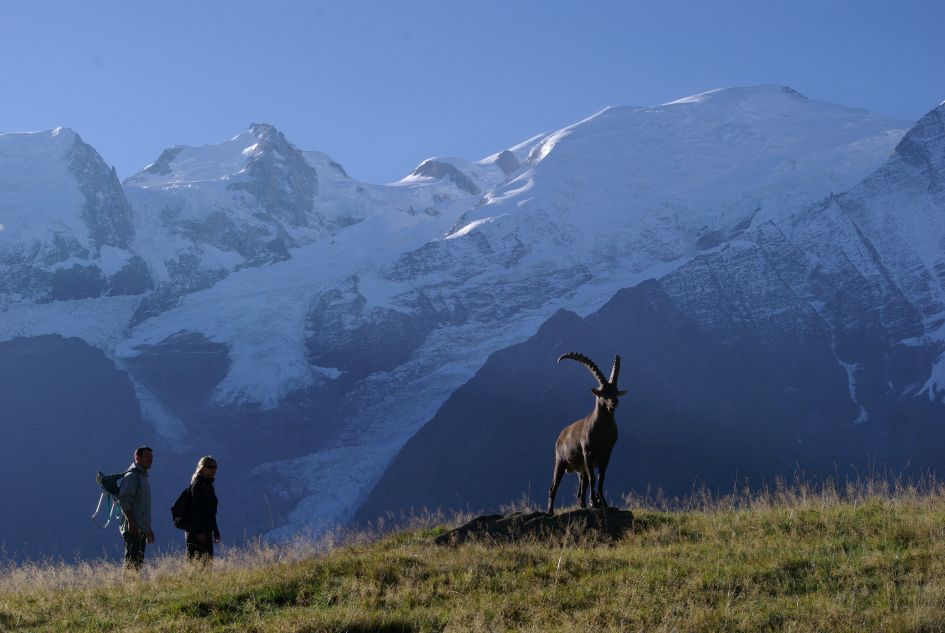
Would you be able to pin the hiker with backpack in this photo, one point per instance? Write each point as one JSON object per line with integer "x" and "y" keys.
{"x": 134, "y": 498}
{"x": 195, "y": 512}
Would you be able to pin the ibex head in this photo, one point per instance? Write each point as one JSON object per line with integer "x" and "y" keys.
{"x": 606, "y": 390}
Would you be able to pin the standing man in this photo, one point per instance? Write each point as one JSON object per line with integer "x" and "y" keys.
{"x": 134, "y": 497}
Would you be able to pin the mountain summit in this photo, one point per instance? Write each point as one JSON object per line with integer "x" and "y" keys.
{"x": 67, "y": 225}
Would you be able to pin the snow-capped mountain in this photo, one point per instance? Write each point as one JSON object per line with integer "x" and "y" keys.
{"x": 67, "y": 227}
{"x": 811, "y": 341}
{"x": 570, "y": 227}
{"x": 306, "y": 325}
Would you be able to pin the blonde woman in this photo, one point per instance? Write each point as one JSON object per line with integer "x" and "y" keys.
{"x": 202, "y": 531}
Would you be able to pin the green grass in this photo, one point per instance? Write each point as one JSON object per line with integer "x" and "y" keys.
{"x": 871, "y": 558}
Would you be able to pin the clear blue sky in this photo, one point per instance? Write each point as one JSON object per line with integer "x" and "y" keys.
{"x": 382, "y": 85}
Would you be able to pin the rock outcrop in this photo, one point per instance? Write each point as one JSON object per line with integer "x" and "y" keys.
{"x": 611, "y": 523}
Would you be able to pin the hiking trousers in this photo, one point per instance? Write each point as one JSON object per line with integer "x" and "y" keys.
{"x": 196, "y": 550}
{"x": 134, "y": 550}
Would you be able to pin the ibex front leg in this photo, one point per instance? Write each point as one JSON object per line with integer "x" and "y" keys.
{"x": 582, "y": 490}
{"x": 598, "y": 497}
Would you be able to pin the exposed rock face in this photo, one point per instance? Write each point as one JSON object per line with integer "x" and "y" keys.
{"x": 106, "y": 210}
{"x": 507, "y": 162}
{"x": 280, "y": 178}
{"x": 134, "y": 278}
{"x": 185, "y": 275}
{"x": 182, "y": 370}
{"x": 349, "y": 336}
{"x": 923, "y": 149}
{"x": 162, "y": 166}
{"x": 433, "y": 168}
{"x": 899, "y": 210}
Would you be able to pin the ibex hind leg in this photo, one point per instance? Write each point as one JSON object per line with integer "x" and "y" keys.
{"x": 582, "y": 490}
{"x": 555, "y": 482}
{"x": 591, "y": 480}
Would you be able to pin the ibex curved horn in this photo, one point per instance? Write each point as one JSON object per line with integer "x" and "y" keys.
{"x": 615, "y": 371}
{"x": 587, "y": 362}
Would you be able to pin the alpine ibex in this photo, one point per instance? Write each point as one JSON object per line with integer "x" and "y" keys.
{"x": 587, "y": 443}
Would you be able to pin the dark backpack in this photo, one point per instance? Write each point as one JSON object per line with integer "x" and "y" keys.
{"x": 181, "y": 511}
{"x": 110, "y": 483}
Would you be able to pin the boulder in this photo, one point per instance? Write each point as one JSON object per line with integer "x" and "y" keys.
{"x": 611, "y": 523}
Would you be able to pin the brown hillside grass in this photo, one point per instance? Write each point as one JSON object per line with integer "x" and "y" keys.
{"x": 865, "y": 556}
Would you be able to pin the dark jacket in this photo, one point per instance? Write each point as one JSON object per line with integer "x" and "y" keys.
{"x": 203, "y": 508}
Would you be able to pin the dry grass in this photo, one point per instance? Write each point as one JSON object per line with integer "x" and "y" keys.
{"x": 865, "y": 556}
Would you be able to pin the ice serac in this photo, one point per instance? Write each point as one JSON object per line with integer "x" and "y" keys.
{"x": 67, "y": 225}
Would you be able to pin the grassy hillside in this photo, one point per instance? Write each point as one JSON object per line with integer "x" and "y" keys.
{"x": 869, "y": 559}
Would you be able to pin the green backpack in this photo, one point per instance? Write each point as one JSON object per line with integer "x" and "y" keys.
{"x": 108, "y": 499}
